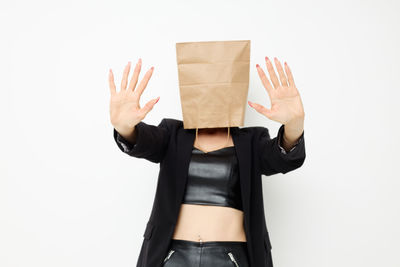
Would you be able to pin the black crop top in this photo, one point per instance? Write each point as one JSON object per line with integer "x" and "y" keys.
{"x": 213, "y": 179}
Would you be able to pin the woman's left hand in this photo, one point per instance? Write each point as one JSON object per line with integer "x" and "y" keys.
{"x": 286, "y": 104}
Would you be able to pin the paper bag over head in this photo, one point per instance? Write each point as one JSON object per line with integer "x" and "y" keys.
{"x": 213, "y": 82}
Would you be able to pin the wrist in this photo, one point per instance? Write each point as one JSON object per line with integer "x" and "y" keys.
{"x": 293, "y": 130}
{"x": 128, "y": 133}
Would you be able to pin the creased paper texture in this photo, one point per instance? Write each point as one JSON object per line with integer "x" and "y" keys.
{"x": 213, "y": 82}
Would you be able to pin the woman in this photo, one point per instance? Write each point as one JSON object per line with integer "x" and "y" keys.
{"x": 210, "y": 226}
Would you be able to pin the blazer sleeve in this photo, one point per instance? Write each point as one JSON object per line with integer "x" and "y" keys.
{"x": 273, "y": 158}
{"x": 151, "y": 141}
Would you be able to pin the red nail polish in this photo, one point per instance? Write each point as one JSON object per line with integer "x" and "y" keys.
{"x": 257, "y": 65}
{"x": 266, "y": 58}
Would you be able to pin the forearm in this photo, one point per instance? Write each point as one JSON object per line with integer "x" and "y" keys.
{"x": 292, "y": 133}
{"x": 148, "y": 141}
{"x": 128, "y": 133}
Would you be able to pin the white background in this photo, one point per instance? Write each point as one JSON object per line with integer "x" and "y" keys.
{"x": 70, "y": 197}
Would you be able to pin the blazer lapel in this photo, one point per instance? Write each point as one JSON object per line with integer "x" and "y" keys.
{"x": 243, "y": 152}
{"x": 185, "y": 141}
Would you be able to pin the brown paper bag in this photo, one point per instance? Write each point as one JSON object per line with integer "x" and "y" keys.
{"x": 213, "y": 82}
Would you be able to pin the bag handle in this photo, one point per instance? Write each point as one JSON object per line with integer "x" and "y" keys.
{"x": 229, "y": 120}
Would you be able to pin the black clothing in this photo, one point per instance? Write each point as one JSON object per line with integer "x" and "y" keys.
{"x": 170, "y": 145}
{"x": 186, "y": 253}
{"x": 213, "y": 179}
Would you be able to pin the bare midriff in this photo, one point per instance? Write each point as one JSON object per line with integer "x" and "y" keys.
{"x": 204, "y": 223}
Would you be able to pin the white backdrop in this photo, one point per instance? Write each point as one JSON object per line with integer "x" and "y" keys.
{"x": 70, "y": 197}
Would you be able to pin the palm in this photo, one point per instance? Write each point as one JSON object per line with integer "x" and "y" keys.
{"x": 124, "y": 106}
{"x": 286, "y": 104}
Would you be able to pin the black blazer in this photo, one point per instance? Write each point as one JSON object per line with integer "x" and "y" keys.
{"x": 170, "y": 145}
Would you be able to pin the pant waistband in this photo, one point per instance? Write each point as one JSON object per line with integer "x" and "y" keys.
{"x": 194, "y": 244}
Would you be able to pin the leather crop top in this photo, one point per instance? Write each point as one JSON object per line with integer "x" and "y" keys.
{"x": 213, "y": 179}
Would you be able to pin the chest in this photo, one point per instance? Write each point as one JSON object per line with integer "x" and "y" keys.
{"x": 180, "y": 159}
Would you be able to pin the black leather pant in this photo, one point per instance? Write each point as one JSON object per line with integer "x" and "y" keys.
{"x": 186, "y": 253}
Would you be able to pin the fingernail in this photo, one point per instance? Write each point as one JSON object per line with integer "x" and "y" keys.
{"x": 157, "y": 99}
{"x": 250, "y": 103}
{"x": 152, "y": 68}
{"x": 257, "y": 65}
{"x": 266, "y": 58}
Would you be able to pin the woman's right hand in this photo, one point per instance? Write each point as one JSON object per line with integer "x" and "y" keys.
{"x": 125, "y": 111}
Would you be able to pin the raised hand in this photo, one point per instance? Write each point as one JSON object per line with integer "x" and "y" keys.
{"x": 286, "y": 104}
{"x": 125, "y": 110}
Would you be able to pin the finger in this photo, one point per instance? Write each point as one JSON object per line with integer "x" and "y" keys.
{"x": 149, "y": 106}
{"x": 272, "y": 73}
{"x": 261, "y": 109}
{"x": 111, "y": 82}
{"x": 124, "y": 81}
{"x": 144, "y": 81}
{"x": 282, "y": 75}
{"x": 134, "y": 79}
{"x": 264, "y": 80}
{"x": 290, "y": 75}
